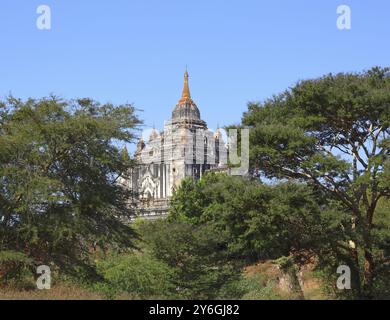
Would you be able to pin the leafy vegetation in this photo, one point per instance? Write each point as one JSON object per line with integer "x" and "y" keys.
{"x": 259, "y": 221}
{"x": 324, "y": 144}
{"x": 195, "y": 254}
{"x": 58, "y": 170}
{"x": 333, "y": 134}
{"x": 141, "y": 276}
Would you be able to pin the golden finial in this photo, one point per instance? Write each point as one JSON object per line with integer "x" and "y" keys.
{"x": 186, "y": 89}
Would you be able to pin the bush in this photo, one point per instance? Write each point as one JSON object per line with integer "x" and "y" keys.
{"x": 138, "y": 275}
{"x": 16, "y": 269}
{"x": 196, "y": 253}
{"x": 258, "y": 292}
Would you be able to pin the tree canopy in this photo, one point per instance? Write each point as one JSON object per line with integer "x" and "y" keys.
{"x": 332, "y": 133}
{"x": 257, "y": 221}
{"x": 59, "y": 165}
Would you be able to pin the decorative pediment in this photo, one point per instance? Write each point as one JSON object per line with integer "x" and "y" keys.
{"x": 149, "y": 185}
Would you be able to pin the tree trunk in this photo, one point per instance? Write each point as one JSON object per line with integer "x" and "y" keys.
{"x": 368, "y": 274}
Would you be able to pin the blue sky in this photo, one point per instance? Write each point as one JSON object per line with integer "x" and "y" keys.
{"x": 136, "y": 50}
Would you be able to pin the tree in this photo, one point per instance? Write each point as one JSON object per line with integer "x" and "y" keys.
{"x": 140, "y": 275}
{"x": 59, "y": 165}
{"x": 258, "y": 221}
{"x": 196, "y": 255}
{"x": 332, "y": 133}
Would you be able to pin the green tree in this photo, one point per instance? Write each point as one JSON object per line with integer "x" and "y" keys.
{"x": 201, "y": 267}
{"x": 137, "y": 274}
{"x": 333, "y": 133}
{"x": 59, "y": 166}
{"x": 258, "y": 221}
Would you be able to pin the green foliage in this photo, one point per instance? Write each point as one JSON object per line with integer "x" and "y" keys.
{"x": 139, "y": 275}
{"x": 258, "y": 221}
{"x": 14, "y": 257}
{"x": 15, "y": 269}
{"x": 381, "y": 234}
{"x": 58, "y": 170}
{"x": 195, "y": 253}
{"x": 259, "y": 287}
{"x": 333, "y": 134}
{"x": 326, "y": 141}
{"x": 125, "y": 156}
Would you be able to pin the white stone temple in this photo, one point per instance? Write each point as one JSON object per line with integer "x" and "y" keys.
{"x": 185, "y": 148}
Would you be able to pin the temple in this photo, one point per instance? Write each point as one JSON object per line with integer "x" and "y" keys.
{"x": 184, "y": 148}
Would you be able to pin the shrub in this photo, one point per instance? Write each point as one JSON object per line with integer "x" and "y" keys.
{"x": 139, "y": 275}
{"x": 15, "y": 269}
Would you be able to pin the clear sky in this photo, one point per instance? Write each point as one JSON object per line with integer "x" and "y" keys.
{"x": 136, "y": 50}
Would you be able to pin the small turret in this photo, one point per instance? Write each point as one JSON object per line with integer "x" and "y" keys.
{"x": 140, "y": 146}
{"x": 218, "y": 134}
{"x": 153, "y": 135}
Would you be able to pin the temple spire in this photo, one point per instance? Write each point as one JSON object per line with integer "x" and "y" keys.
{"x": 186, "y": 89}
